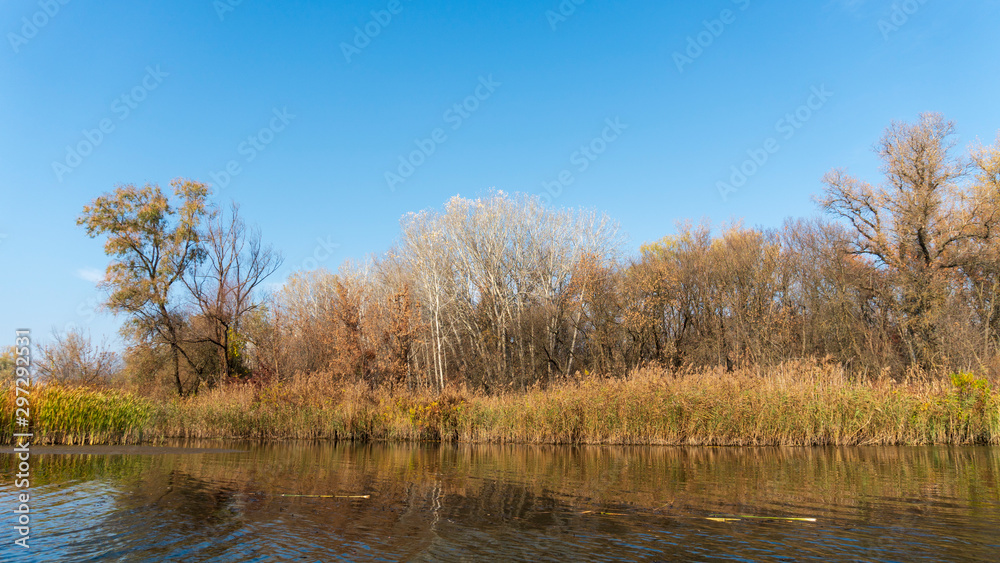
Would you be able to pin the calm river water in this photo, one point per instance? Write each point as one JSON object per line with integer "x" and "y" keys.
{"x": 506, "y": 503}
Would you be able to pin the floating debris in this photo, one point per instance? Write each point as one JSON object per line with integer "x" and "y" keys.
{"x": 739, "y": 517}
{"x": 328, "y": 496}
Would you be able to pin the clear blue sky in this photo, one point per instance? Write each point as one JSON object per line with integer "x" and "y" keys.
{"x": 199, "y": 80}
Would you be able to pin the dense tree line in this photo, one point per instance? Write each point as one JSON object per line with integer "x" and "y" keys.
{"x": 502, "y": 292}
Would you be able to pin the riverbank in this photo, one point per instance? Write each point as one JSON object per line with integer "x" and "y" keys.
{"x": 795, "y": 404}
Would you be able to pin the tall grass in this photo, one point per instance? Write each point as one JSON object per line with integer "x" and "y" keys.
{"x": 795, "y": 404}
{"x": 62, "y": 415}
{"x": 309, "y": 407}
{"x": 792, "y": 405}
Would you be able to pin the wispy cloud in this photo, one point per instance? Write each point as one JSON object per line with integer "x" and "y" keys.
{"x": 93, "y": 275}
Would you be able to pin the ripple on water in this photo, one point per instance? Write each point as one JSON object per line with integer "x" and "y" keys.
{"x": 447, "y": 503}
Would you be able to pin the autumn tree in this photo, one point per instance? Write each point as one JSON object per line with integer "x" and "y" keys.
{"x": 920, "y": 224}
{"x": 7, "y": 365}
{"x": 981, "y": 264}
{"x": 842, "y": 304}
{"x": 713, "y": 300}
{"x": 153, "y": 244}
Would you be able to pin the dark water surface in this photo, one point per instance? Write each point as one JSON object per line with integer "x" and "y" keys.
{"x": 497, "y": 503}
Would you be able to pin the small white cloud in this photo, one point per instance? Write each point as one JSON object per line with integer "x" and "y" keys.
{"x": 93, "y": 275}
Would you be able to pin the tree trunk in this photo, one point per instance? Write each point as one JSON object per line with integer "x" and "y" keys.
{"x": 177, "y": 369}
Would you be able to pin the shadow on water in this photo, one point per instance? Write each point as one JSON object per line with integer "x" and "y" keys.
{"x": 481, "y": 502}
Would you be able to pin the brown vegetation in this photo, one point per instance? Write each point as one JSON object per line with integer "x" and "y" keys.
{"x": 501, "y": 295}
{"x": 795, "y": 404}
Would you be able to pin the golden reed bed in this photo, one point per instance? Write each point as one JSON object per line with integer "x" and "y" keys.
{"x": 798, "y": 404}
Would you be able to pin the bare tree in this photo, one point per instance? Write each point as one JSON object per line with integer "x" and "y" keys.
{"x": 493, "y": 278}
{"x": 424, "y": 250}
{"x": 72, "y": 359}
{"x": 223, "y": 286}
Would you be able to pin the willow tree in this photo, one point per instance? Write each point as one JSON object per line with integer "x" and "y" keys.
{"x": 153, "y": 244}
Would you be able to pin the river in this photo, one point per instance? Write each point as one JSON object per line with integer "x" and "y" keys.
{"x": 429, "y": 502}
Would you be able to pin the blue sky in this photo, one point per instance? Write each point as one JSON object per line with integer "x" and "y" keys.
{"x": 636, "y": 109}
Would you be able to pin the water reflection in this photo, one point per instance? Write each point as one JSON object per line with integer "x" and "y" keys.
{"x": 473, "y": 502}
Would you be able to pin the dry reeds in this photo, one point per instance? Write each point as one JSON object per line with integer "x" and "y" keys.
{"x": 796, "y": 404}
